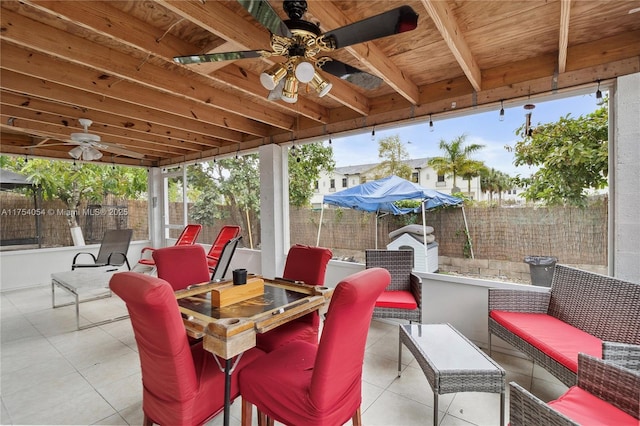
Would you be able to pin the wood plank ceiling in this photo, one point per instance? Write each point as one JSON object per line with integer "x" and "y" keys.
{"x": 111, "y": 62}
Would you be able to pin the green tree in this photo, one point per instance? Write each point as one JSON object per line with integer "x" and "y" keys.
{"x": 472, "y": 168}
{"x": 495, "y": 182}
{"x": 231, "y": 182}
{"x": 306, "y": 162}
{"x": 74, "y": 183}
{"x": 456, "y": 161}
{"x": 394, "y": 156}
{"x": 572, "y": 156}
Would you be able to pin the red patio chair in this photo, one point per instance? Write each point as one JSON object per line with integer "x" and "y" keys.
{"x": 226, "y": 233}
{"x": 182, "y": 266}
{"x": 302, "y": 383}
{"x": 307, "y": 264}
{"x": 188, "y": 237}
{"x": 182, "y": 384}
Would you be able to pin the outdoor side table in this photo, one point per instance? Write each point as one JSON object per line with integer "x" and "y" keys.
{"x": 92, "y": 281}
{"x": 451, "y": 362}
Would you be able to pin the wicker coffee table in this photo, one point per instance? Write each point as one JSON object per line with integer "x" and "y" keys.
{"x": 451, "y": 362}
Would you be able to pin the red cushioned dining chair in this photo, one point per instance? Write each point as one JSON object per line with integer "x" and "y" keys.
{"x": 309, "y": 265}
{"x": 182, "y": 384}
{"x": 187, "y": 237}
{"x": 227, "y": 233}
{"x": 306, "y": 384}
{"x": 182, "y": 266}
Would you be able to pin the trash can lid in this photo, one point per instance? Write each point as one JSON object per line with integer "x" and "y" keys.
{"x": 540, "y": 260}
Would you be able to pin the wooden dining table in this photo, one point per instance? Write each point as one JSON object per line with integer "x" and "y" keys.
{"x": 228, "y": 331}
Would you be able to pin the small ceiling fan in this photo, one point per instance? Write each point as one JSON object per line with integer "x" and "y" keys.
{"x": 301, "y": 42}
{"x": 89, "y": 145}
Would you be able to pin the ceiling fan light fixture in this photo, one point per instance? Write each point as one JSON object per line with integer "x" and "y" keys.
{"x": 320, "y": 85}
{"x": 290, "y": 89}
{"x": 271, "y": 77}
{"x": 90, "y": 154}
{"x": 76, "y": 152}
{"x": 304, "y": 71}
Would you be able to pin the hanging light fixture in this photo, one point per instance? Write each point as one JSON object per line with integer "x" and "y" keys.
{"x": 430, "y": 123}
{"x": 320, "y": 85}
{"x": 290, "y": 89}
{"x": 304, "y": 71}
{"x": 283, "y": 79}
{"x": 599, "y": 99}
{"x": 85, "y": 152}
{"x": 501, "y": 110}
{"x": 271, "y": 77}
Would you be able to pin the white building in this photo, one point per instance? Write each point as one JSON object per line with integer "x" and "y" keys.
{"x": 346, "y": 177}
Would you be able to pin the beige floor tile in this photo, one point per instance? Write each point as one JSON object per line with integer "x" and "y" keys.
{"x": 65, "y": 400}
{"x": 476, "y": 407}
{"x": 395, "y": 410}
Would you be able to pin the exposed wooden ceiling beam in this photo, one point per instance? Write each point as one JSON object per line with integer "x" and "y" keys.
{"x": 443, "y": 18}
{"x": 22, "y": 31}
{"x": 563, "y": 39}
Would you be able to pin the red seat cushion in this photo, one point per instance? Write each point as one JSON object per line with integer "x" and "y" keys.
{"x": 399, "y": 299}
{"x": 589, "y": 410}
{"x": 555, "y": 338}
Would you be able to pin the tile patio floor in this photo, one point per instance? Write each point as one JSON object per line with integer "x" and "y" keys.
{"x": 53, "y": 374}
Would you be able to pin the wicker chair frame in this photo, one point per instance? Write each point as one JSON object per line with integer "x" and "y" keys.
{"x": 607, "y": 379}
{"x": 605, "y": 307}
{"x": 399, "y": 263}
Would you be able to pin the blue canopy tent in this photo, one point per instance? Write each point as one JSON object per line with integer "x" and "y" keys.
{"x": 380, "y": 195}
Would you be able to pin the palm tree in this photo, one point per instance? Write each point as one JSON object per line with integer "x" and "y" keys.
{"x": 495, "y": 181}
{"x": 456, "y": 161}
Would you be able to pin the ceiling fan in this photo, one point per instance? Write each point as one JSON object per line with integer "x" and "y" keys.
{"x": 89, "y": 145}
{"x": 301, "y": 42}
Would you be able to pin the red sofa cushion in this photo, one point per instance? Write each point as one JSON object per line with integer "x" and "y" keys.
{"x": 556, "y": 338}
{"x": 589, "y": 410}
{"x": 399, "y": 299}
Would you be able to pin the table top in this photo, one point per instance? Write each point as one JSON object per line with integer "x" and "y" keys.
{"x": 230, "y": 330}
{"x": 446, "y": 349}
{"x": 85, "y": 277}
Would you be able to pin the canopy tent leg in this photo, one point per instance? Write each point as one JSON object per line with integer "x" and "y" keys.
{"x": 376, "y": 230}
{"x": 466, "y": 228}
{"x": 424, "y": 235}
{"x": 320, "y": 225}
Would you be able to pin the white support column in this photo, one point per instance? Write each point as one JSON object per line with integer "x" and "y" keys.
{"x": 624, "y": 179}
{"x": 274, "y": 209}
{"x": 156, "y": 196}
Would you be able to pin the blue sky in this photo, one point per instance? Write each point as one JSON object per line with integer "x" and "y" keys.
{"x": 482, "y": 128}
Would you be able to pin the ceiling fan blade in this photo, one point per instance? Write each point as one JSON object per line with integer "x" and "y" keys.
{"x": 116, "y": 149}
{"x": 351, "y": 74}
{"x": 217, "y": 57}
{"x": 395, "y": 21}
{"x": 264, "y": 13}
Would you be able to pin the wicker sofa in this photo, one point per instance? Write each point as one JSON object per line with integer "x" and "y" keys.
{"x": 608, "y": 392}
{"x": 578, "y": 313}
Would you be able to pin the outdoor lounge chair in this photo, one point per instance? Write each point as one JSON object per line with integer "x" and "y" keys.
{"x": 226, "y": 233}
{"x": 403, "y": 298}
{"x": 113, "y": 250}
{"x": 188, "y": 237}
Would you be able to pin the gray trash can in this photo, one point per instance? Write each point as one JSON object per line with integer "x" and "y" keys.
{"x": 541, "y": 269}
